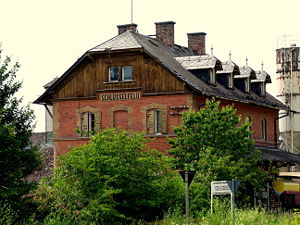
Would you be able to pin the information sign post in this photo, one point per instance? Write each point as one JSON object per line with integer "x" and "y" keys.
{"x": 224, "y": 187}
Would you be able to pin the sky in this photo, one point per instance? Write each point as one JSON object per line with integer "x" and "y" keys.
{"x": 47, "y": 37}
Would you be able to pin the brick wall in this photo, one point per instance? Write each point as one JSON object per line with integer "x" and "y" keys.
{"x": 67, "y": 117}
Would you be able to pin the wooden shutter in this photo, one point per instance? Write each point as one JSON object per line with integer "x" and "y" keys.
{"x": 98, "y": 121}
{"x": 150, "y": 121}
{"x": 164, "y": 121}
{"x": 84, "y": 123}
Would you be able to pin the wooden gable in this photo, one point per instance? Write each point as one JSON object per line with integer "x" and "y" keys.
{"x": 91, "y": 76}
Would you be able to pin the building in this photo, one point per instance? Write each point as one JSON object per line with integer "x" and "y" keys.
{"x": 144, "y": 83}
{"x": 288, "y": 74}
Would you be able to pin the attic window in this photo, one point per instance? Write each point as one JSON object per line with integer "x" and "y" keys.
{"x": 212, "y": 76}
{"x": 230, "y": 80}
{"x": 247, "y": 85}
{"x": 120, "y": 73}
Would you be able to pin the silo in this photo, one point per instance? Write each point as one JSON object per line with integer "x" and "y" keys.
{"x": 288, "y": 75}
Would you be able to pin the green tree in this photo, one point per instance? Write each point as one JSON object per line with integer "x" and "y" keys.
{"x": 215, "y": 142}
{"x": 17, "y": 158}
{"x": 114, "y": 178}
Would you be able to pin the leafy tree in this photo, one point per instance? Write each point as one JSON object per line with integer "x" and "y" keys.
{"x": 113, "y": 179}
{"x": 17, "y": 158}
{"x": 215, "y": 142}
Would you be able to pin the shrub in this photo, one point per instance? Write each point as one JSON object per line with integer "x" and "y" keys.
{"x": 113, "y": 179}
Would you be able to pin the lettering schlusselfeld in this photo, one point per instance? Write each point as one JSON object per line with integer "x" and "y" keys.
{"x": 120, "y": 96}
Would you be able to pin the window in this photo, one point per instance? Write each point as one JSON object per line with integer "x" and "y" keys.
{"x": 127, "y": 72}
{"x": 113, "y": 74}
{"x": 264, "y": 129}
{"x": 120, "y": 73}
{"x": 156, "y": 120}
{"x": 247, "y": 84}
{"x": 248, "y": 119}
{"x": 87, "y": 123}
{"x": 230, "y": 80}
{"x": 212, "y": 76}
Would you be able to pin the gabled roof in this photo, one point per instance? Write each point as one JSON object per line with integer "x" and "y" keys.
{"x": 170, "y": 59}
{"x": 122, "y": 41}
{"x": 229, "y": 67}
{"x": 262, "y": 76}
{"x": 247, "y": 71}
{"x": 199, "y": 62}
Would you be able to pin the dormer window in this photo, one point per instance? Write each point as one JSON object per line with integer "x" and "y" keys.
{"x": 212, "y": 76}
{"x": 247, "y": 84}
{"x": 230, "y": 80}
{"x": 120, "y": 73}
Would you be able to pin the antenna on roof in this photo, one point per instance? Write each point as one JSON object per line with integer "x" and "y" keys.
{"x": 212, "y": 50}
{"x": 230, "y": 56}
{"x": 246, "y": 61}
{"x": 131, "y": 11}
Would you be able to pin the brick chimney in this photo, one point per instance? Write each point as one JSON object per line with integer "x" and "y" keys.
{"x": 165, "y": 32}
{"x": 196, "y": 42}
{"x": 125, "y": 27}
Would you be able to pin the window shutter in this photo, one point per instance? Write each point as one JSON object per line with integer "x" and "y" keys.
{"x": 150, "y": 121}
{"x": 98, "y": 121}
{"x": 164, "y": 121}
{"x": 84, "y": 122}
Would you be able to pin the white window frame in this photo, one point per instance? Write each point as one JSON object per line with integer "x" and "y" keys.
{"x": 109, "y": 73}
{"x": 247, "y": 84}
{"x": 123, "y": 73}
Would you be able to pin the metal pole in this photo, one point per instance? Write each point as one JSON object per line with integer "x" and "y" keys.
{"x": 131, "y": 11}
{"x": 291, "y": 101}
{"x": 232, "y": 201}
{"x": 186, "y": 180}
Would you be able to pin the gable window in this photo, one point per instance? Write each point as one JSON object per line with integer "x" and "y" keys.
{"x": 264, "y": 129}
{"x": 120, "y": 73}
{"x": 156, "y": 121}
{"x": 127, "y": 72}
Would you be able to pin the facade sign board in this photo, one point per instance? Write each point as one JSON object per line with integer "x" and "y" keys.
{"x": 121, "y": 96}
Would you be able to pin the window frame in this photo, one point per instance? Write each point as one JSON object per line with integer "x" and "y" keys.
{"x": 120, "y": 74}
{"x": 157, "y": 121}
{"x": 109, "y": 74}
{"x": 263, "y": 129}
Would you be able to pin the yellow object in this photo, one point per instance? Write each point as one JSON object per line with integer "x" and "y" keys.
{"x": 284, "y": 185}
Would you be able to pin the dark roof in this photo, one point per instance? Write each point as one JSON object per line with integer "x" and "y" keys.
{"x": 277, "y": 155}
{"x": 166, "y": 56}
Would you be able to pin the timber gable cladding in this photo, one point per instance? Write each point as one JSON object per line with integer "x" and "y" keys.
{"x": 92, "y": 76}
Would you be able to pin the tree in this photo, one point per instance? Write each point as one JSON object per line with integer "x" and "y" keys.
{"x": 17, "y": 158}
{"x": 113, "y": 179}
{"x": 215, "y": 142}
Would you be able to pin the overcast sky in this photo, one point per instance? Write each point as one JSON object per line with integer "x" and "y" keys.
{"x": 47, "y": 37}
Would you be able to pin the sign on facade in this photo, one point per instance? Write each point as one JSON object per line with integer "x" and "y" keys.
{"x": 120, "y": 96}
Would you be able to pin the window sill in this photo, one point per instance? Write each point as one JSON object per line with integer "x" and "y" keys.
{"x": 160, "y": 135}
{"x": 119, "y": 82}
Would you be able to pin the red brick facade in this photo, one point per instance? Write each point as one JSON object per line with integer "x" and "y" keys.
{"x": 131, "y": 114}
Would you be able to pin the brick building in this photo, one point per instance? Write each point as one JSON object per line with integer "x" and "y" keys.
{"x": 142, "y": 83}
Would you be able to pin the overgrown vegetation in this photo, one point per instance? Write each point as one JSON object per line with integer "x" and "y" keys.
{"x": 17, "y": 158}
{"x": 215, "y": 142}
{"x": 113, "y": 179}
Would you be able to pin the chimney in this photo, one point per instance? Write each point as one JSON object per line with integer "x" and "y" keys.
{"x": 165, "y": 32}
{"x": 196, "y": 42}
{"x": 125, "y": 27}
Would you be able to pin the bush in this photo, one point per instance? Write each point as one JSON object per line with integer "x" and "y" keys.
{"x": 113, "y": 179}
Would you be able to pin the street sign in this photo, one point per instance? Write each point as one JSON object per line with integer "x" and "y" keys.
{"x": 191, "y": 175}
{"x": 224, "y": 187}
